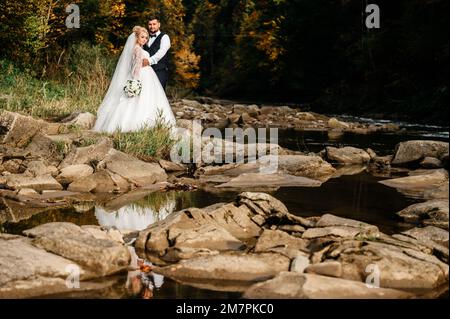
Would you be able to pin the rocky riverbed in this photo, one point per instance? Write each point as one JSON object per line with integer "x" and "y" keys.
{"x": 253, "y": 245}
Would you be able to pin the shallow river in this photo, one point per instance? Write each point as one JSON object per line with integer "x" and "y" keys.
{"x": 357, "y": 196}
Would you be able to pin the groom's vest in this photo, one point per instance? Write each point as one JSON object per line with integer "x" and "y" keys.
{"x": 163, "y": 64}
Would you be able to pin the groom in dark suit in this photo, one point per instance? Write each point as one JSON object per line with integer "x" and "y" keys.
{"x": 158, "y": 47}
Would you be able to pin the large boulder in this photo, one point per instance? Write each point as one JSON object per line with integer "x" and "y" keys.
{"x": 40, "y": 167}
{"x": 101, "y": 256}
{"x": 38, "y": 183}
{"x": 17, "y": 130}
{"x": 291, "y": 285}
{"x": 215, "y": 228}
{"x": 347, "y": 155}
{"x": 26, "y": 270}
{"x": 301, "y": 165}
{"x": 415, "y": 151}
{"x": 432, "y": 184}
{"x": 47, "y": 149}
{"x": 91, "y": 154}
{"x": 132, "y": 169}
{"x": 228, "y": 267}
{"x": 73, "y": 172}
{"x": 99, "y": 182}
{"x": 432, "y": 212}
{"x": 259, "y": 180}
{"x": 398, "y": 266}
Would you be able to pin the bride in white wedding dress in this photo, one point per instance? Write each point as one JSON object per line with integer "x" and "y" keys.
{"x": 120, "y": 112}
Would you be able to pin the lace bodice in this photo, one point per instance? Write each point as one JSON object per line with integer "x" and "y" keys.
{"x": 139, "y": 54}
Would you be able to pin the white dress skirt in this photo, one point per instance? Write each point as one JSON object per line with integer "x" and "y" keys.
{"x": 131, "y": 114}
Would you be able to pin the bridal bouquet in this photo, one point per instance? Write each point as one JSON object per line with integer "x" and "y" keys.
{"x": 133, "y": 88}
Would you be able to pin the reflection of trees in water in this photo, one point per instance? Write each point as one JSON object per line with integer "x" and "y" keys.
{"x": 140, "y": 214}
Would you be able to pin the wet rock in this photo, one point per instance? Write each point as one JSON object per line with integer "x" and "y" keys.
{"x": 347, "y": 155}
{"x": 302, "y": 165}
{"x": 132, "y": 169}
{"x": 329, "y": 268}
{"x": 99, "y": 182}
{"x": 27, "y": 271}
{"x": 348, "y": 169}
{"x": 169, "y": 166}
{"x": 252, "y": 180}
{"x": 228, "y": 266}
{"x": 17, "y": 130}
{"x": 74, "y": 172}
{"x": 399, "y": 267}
{"x": 432, "y": 212}
{"x": 39, "y": 183}
{"x": 101, "y": 256}
{"x": 91, "y": 154}
{"x": 431, "y": 162}
{"x": 233, "y": 170}
{"x": 419, "y": 185}
{"x": 289, "y": 285}
{"x": 414, "y": 151}
{"x": 239, "y": 220}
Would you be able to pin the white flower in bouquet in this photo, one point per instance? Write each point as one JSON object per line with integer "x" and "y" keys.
{"x": 133, "y": 88}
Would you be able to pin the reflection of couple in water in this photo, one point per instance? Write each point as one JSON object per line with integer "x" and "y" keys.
{"x": 141, "y": 281}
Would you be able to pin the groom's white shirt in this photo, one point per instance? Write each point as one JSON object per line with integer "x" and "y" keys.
{"x": 165, "y": 46}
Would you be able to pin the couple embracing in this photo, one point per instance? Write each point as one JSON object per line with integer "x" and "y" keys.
{"x": 144, "y": 59}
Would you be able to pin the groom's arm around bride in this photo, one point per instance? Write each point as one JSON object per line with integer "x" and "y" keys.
{"x": 158, "y": 47}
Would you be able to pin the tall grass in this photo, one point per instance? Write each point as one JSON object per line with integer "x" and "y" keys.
{"x": 150, "y": 143}
{"x": 77, "y": 83}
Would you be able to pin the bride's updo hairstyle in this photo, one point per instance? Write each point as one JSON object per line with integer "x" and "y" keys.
{"x": 138, "y": 30}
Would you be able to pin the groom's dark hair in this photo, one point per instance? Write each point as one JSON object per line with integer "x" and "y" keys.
{"x": 151, "y": 18}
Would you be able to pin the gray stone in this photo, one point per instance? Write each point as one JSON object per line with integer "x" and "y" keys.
{"x": 101, "y": 256}
{"x": 328, "y": 268}
{"x": 74, "y": 172}
{"x": 432, "y": 212}
{"x": 290, "y": 285}
{"x": 347, "y": 155}
{"x": 38, "y": 183}
{"x": 227, "y": 266}
{"x": 132, "y": 169}
{"x": 413, "y": 151}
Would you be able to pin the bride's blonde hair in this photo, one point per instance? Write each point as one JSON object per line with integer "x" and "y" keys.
{"x": 138, "y": 30}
